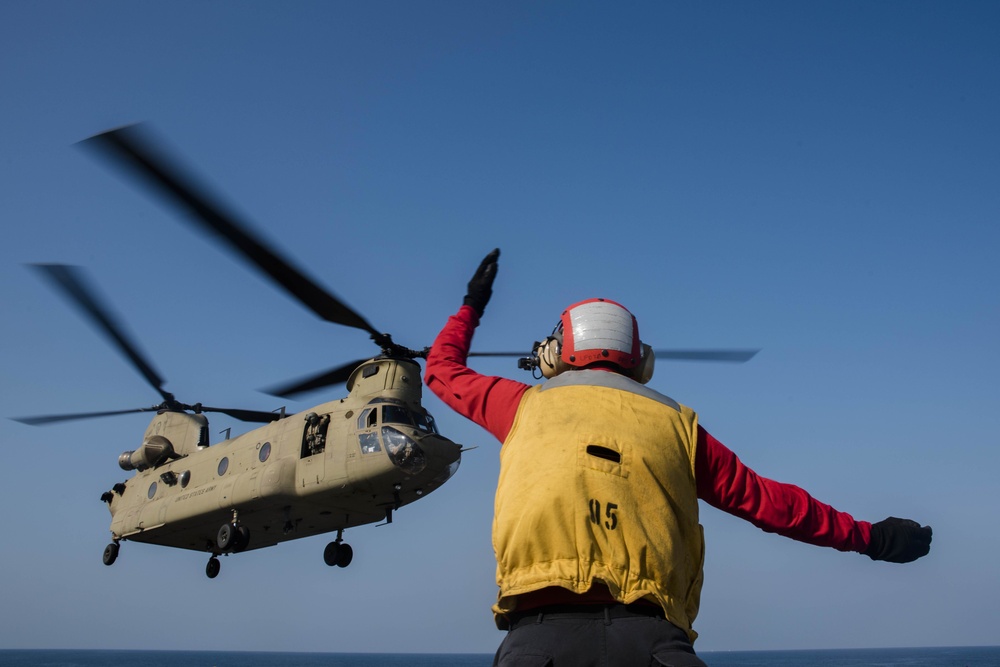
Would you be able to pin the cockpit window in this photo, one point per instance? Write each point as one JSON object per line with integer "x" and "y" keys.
{"x": 367, "y": 418}
{"x": 402, "y": 449}
{"x": 425, "y": 422}
{"x": 396, "y": 414}
{"x": 369, "y": 443}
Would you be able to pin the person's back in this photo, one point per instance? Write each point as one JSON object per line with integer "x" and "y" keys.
{"x": 599, "y": 550}
{"x": 597, "y": 486}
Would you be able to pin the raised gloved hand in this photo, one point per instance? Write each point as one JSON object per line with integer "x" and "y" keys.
{"x": 898, "y": 540}
{"x": 481, "y": 286}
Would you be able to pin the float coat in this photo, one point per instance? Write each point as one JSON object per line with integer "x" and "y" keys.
{"x": 586, "y": 496}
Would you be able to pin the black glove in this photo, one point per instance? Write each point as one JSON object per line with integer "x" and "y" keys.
{"x": 481, "y": 286}
{"x": 898, "y": 540}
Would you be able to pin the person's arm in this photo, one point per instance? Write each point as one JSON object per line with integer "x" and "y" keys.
{"x": 728, "y": 484}
{"x": 489, "y": 401}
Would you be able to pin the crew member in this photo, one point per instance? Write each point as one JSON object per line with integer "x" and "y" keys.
{"x": 596, "y": 534}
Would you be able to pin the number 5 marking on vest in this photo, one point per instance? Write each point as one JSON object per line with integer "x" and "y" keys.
{"x": 611, "y": 521}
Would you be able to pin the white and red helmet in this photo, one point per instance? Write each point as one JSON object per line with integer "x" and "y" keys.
{"x": 595, "y": 331}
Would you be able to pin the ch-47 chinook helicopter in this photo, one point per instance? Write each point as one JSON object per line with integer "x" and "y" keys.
{"x": 344, "y": 463}
{"x": 341, "y": 464}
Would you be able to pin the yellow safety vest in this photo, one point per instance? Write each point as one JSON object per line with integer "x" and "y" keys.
{"x": 597, "y": 485}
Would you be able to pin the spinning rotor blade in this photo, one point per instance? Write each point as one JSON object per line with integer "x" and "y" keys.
{"x": 52, "y": 419}
{"x": 737, "y": 356}
{"x": 257, "y": 416}
{"x": 499, "y": 354}
{"x": 129, "y": 148}
{"x": 243, "y": 415}
{"x": 325, "y": 379}
{"x": 73, "y": 285}
{"x": 70, "y": 280}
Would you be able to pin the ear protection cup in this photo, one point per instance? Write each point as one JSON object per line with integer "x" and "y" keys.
{"x": 643, "y": 372}
{"x": 591, "y": 332}
{"x": 550, "y": 358}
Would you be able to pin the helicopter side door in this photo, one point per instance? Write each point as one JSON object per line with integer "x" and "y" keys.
{"x": 312, "y": 462}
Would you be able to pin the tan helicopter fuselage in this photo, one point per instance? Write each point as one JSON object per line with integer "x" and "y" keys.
{"x": 341, "y": 464}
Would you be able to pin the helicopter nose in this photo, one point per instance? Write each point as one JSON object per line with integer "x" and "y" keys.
{"x": 442, "y": 449}
{"x": 413, "y": 452}
{"x": 444, "y": 457}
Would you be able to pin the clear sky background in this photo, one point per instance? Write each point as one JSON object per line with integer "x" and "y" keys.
{"x": 819, "y": 180}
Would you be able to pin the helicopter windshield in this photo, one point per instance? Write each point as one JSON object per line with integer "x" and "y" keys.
{"x": 397, "y": 412}
{"x": 403, "y": 451}
{"x": 425, "y": 422}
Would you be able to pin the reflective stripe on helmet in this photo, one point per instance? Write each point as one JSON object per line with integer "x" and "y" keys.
{"x": 600, "y": 330}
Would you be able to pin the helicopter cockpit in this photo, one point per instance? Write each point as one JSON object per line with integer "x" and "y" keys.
{"x": 382, "y": 424}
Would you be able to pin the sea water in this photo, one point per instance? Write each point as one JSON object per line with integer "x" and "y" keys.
{"x": 883, "y": 657}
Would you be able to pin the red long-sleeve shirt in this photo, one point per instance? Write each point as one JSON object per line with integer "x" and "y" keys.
{"x": 723, "y": 480}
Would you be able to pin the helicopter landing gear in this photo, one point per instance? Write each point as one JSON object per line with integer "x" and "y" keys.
{"x": 233, "y": 536}
{"x": 338, "y": 552}
{"x": 111, "y": 553}
{"x": 340, "y": 555}
{"x": 242, "y": 538}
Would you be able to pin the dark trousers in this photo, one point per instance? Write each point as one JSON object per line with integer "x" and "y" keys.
{"x": 606, "y": 636}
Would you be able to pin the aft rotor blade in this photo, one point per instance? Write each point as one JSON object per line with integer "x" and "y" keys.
{"x": 74, "y": 286}
{"x": 52, "y": 419}
{"x": 257, "y": 416}
{"x": 129, "y": 148}
{"x": 328, "y": 378}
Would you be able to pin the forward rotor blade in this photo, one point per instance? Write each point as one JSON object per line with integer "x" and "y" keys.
{"x": 71, "y": 281}
{"x": 129, "y": 148}
{"x": 257, "y": 416}
{"x": 328, "y": 378}
{"x": 52, "y": 419}
{"x": 736, "y": 356}
{"x": 500, "y": 354}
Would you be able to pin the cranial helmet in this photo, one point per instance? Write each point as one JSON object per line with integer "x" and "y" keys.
{"x": 596, "y": 331}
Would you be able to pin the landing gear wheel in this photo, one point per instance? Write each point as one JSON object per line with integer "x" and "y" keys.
{"x": 213, "y": 567}
{"x": 330, "y": 554}
{"x": 111, "y": 553}
{"x": 338, "y": 553}
{"x": 232, "y": 537}
{"x": 241, "y": 539}
{"x": 226, "y": 537}
{"x": 345, "y": 554}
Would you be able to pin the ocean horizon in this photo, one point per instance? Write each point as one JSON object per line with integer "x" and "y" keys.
{"x": 957, "y": 656}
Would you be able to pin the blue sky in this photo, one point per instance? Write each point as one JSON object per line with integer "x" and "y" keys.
{"x": 817, "y": 180}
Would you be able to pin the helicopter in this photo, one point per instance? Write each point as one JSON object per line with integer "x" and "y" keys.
{"x": 341, "y": 464}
